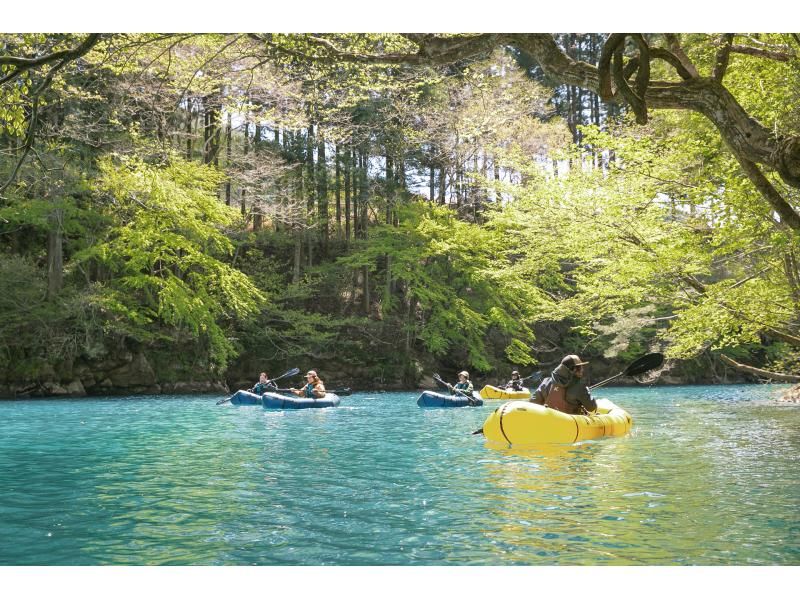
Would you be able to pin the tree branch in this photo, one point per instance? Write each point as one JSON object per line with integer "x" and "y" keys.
{"x": 757, "y": 371}
{"x": 771, "y": 54}
{"x": 669, "y": 57}
{"x": 723, "y": 56}
{"x": 64, "y": 56}
{"x": 739, "y": 130}
{"x": 677, "y": 51}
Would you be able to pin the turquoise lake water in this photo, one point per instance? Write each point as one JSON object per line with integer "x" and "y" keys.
{"x": 709, "y": 476}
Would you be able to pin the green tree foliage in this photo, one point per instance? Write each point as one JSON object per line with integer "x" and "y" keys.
{"x": 675, "y": 245}
{"x": 377, "y": 201}
{"x": 454, "y": 273}
{"x": 164, "y": 250}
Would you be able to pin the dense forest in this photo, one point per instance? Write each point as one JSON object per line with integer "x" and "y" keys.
{"x": 181, "y": 211}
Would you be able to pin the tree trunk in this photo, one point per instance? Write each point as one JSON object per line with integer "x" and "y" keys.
{"x": 363, "y": 195}
{"x": 338, "y": 159}
{"x": 442, "y": 184}
{"x": 387, "y": 291}
{"x": 245, "y": 150}
{"x": 228, "y": 137}
{"x": 189, "y": 117}
{"x": 258, "y": 215}
{"x": 298, "y": 254}
{"x": 322, "y": 171}
{"x": 432, "y": 183}
{"x": 348, "y": 162}
{"x": 356, "y": 193}
{"x": 311, "y": 187}
{"x": 366, "y": 291}
{"x": 211, "y": 131}
{"x": 55, "y": 254}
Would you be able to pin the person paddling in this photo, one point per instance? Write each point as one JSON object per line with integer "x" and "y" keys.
{"x": 313, "y": 389}
{"x": 515, "y": 383}
{"x": 263, "y": 385}
{"x": 564, "y": 390}
{"x": 463, "y": 384}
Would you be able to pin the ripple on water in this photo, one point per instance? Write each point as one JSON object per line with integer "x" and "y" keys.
{"x": 706, "y": 477}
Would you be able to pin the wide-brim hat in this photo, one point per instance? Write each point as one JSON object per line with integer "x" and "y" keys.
{"x": 573, "y": 361}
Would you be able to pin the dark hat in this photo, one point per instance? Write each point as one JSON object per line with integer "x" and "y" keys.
{"x": 572, "y": 361}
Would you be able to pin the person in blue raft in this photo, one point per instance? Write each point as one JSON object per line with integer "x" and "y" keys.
{"x": 460, "y": 394}
{"x": 263, "y": 385}
{"x": 313, "y": 389}
{"x": 252, "y": 396}
{"x": 463, "y": 384}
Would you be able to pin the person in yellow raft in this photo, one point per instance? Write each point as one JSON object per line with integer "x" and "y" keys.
{"x": 515, "y": 383}
{"x": 564, "y": 390}
{"x": 313, "y": 389}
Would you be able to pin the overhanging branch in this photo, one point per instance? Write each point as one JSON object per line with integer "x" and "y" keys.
{"x": 758, "y": 372}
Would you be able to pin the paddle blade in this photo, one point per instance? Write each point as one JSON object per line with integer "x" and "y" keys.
{"x": 644, "y": 364}
{"x": 292, "y": 372}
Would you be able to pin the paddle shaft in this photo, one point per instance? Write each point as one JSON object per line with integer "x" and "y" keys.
{"x": 640, "y": 366}
{"x": 606, "y": 381}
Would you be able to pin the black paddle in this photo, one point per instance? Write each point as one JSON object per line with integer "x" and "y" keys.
{"x": 292, "y": 372}
{"x": 644, "y": 364}
{"x": 536, "y": 375}
{"x": 443, "y": 384}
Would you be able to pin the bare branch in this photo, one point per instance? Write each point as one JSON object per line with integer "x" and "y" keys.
{"x": 432, "y": 49}
{"x": 779, "y": 55}
{"x": 64, "y": 56}
{"x": 677, "y": 51}
{"x": 723, "y": 56}
{"x": 669, "y": 57}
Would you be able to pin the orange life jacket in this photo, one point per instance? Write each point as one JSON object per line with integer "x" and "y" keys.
{"x": 557, "y": 399}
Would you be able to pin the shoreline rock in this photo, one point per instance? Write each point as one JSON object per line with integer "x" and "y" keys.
{"x": 791, "y": 396}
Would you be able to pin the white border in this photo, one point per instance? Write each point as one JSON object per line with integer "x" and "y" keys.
{"x": 402, "y": 15}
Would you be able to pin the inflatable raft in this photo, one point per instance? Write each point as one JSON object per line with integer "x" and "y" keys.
{"x": 494, "y": 392}
{"x": 272, "y": 400}
{"x": 244, "y": 397}
{"x": 436, "y": 399}
{"x": 522, "y": 422}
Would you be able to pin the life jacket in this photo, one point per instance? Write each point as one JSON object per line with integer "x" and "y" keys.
{"x": 309, "y": 390}
{"x": 557, "y": 399}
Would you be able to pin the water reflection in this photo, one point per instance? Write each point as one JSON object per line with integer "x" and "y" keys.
{"x": 702, "y": 479}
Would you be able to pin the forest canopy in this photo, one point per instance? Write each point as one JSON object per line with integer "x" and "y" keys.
{"x": 380, "y": 205}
